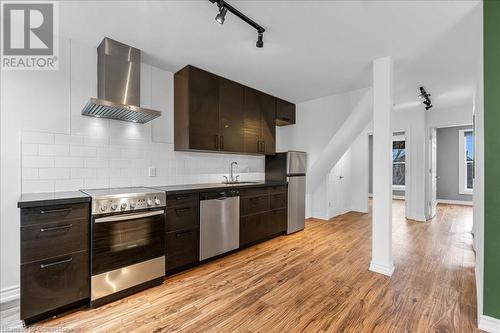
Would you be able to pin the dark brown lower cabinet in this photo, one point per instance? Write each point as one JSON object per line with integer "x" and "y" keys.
{"x": 259, "y": 227}
{"x": 53, "y": 283}
{"x": 54, "y": 259}
{"x": 182, "y": 249}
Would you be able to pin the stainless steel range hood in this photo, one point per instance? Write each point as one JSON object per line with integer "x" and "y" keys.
{"x": 118, "y": 85}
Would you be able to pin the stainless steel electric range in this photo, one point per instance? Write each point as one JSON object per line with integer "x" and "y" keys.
{"x": 127, "y": 241}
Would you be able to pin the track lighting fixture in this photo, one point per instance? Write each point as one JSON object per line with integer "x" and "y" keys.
{"x": 260, "y": 41}
{"x": 424, "y": 96}
{"x": 224, "y": 7}
{"x": 221, "y": 16}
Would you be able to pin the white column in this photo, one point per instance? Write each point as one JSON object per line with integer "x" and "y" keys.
{"x": 382, "y": 168}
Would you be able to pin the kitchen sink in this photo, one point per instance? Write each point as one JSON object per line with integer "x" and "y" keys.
{"x": 240, "y": 183}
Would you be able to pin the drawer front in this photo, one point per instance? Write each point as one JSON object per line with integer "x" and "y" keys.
{"x": 182, "y": 248}
{"x": 252, "y": 229}
{"x": 37, "y": 241}
{"x": 181, "y": 218}
{"x": 59, "y": 213}
{"x": 278, "y": 189}
{"x": 278, "y": 200}
{"x": 252, "y": 205}
{"x": 276, "y": 222}
{"x": 188, "y": 199}
{"x": 246, "y": 192}
{"x": 50, "y": 284}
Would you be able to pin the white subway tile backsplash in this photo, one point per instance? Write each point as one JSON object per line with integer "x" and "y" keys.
{"x": 68, "y": 185}
{"x": 96, "y": 140}
{"x": 83, "y": 173}
{"x": 29, "y": 149}
{"x": 37, "y": 161}
{"x": 37, "y": 137}
{"x": 69, "y": 162}
{"x": 83, "y": 151}
{"x": 37, "y": 186}
{"x": 68, "y": 139}
{"x": 109, "y": 159}
{"x": 30, "y": 173}
{"x": 96, "y": 183}
{"x": 96, "y": 163}
{"x": 53, "y": 173}
{"x": 53, "y": 150}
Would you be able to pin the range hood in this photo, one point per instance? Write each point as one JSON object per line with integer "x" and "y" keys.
{"x": 118, "y": 85}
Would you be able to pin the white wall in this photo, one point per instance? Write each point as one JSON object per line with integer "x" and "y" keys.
{"x": 317, "y": 122}
{"x": 47, "y": 145}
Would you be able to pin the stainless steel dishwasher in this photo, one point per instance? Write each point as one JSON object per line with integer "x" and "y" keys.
{"x": 219, "y": 222}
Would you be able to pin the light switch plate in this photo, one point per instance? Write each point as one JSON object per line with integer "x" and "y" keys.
{"x": 152, "y": 172}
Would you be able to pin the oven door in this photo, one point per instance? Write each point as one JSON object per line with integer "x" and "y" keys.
{"x": 126, "y": 239}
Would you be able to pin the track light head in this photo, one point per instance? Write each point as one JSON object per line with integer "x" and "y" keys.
{"x": 260, "y": 40}
{"x": 221, "y": 16}
{"x": 424, "y": 96}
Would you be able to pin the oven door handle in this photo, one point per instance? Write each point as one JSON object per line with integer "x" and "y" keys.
{"x": 128, "y": 216}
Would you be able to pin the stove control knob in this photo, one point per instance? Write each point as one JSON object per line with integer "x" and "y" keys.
{"x": 123, "y": 205}
{"x": 157, "y": 201}
{"x": 132, "y": 204}
{"x": 104, "y": 208}
{"x": 114, "y": 206}
{"x": 150, "y": 202}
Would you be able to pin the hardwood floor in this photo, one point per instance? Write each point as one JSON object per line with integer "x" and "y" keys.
{"x": 316, "y": 280}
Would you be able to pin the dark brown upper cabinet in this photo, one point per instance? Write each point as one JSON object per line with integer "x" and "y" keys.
{"x": 285, "y": 113}
{"x": 212, "y": 113}
{"x": 231, "y": 121}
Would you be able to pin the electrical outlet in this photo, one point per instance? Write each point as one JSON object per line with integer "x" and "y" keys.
{"x": 152, "y": 172}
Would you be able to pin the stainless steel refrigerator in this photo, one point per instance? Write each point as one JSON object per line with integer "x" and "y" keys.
{"x": 291, "y": 167}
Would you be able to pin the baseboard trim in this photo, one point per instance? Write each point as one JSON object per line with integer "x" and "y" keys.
{"x": 489, "y": 324}
{"x": 382, "y": 269}
{"x": 454, "y": 202}
{"x": 9, "y": 294}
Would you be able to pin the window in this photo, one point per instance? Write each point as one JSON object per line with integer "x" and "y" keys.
{"x": 398, "y": 162}
{"x": 466, "y": 161}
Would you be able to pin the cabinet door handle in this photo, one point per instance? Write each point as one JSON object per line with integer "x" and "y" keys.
{"x": 183, "y": 197}
{"x": 55, "y": 263}
{"x": 222, "y": 142}
{"x": 182, "y": 210}
{"x": 216, "y": 141}
{"x": 182, "y": 233}
{"x": 52, "y": 211}
{"x": 67, "y": 226}
{"x": 263, "y": 146}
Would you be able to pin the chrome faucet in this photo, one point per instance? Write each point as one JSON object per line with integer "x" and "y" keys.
{"x": 231, "y": 174}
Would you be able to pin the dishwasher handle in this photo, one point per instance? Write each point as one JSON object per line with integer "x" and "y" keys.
{"x": 219, "y": 195}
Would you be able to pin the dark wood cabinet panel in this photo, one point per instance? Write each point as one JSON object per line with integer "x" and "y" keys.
{"x": 285, "y": 113}
{"x": 203, "y": 110}
{"x": 278, "y": 200}
{"x": 54, "y": 214}
{"x": 182, "y": 217}
{"x": 187, "y": 199}
{"x": 268, "y": 122}
{"x": 52, "y": 283}
{"x": 252, "y": 205}
{"x": 252, "y": 229}
{"x": 276, "y": 222}
{"x": 263, "y": 213}
{"x": 231, "y": 99}
{"x": 37, "y": 241}
{"x": 212, "y": 113}
{"x": 182, "y": 249}
{"x": 252, "y": 122}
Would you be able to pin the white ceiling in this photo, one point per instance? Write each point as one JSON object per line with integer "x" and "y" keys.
{"x": 312, "y": 48}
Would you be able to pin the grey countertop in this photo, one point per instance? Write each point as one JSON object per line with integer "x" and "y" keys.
{"x": 51, "y": 198}
{"x": 172, "y": 189}
{"x": 57, "y": 198}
